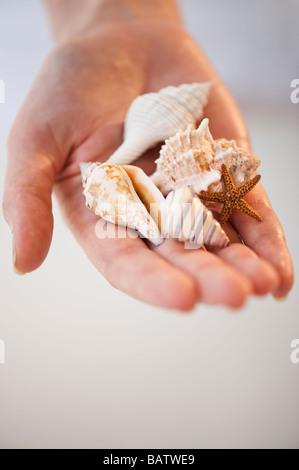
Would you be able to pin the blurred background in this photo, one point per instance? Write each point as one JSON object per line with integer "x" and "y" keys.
{"x": 87, "y": 366}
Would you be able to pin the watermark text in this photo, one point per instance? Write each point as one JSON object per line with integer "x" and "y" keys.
{"x": 2, "y": 352}
{"x": 183, "y": 223}
{"x": 295, "y": 352}
{"x": 295, "y": 92}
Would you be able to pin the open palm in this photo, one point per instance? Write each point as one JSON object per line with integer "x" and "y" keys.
{"x": 75, "y": 112}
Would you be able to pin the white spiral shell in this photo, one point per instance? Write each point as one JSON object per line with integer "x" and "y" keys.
{"x": 190, "y": 221}
{"x": 154, "y": 117}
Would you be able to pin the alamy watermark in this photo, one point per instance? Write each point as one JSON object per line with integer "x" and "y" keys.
{"x": 2, "y": 352}
{"x": 182, "y": 222}
{"x": 295, "y": 352}
{"x": 295, "y": 92}
{"x": 2, "y": 92}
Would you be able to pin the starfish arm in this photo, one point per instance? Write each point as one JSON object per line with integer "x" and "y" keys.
{"x": 228, "y": 181}
{"x": 232, "y": 198}
{"x": 247, "y": 187}
{"x": 243, "y": 206}
{"x": 225, "y": 214}
{"x": 212, "y": 197}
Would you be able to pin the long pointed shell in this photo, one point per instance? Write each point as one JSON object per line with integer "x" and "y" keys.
{"x": 193, "y": 158}
{"x": 190, "y": 221}
{"x": 154, "y": 117}
{"x": 110, "y": 193}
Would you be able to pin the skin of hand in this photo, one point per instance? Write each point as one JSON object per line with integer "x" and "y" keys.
{"x": 75, "y": 112}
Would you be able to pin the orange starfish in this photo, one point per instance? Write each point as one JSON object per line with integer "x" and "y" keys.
{"x": 232, "y": 197}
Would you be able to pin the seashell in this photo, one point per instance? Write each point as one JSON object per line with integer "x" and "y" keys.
{"x": 190, "y": 221}
{"x": 148, "y": 193}
{"x": 154, "y": 117}
{"x": 193, "y": 158}
{"x": 124, "y": 196}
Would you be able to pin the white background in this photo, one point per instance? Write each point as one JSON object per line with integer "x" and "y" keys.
{"x": 86, "y": 366}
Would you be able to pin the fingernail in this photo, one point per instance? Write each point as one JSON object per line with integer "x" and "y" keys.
{"x": 281, "y": 298}
{"x": 14, "y": 257}
{"x": 19, "y": 273}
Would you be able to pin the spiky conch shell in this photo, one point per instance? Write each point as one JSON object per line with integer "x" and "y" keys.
{"x": 124, "y": 196}
{"x": 154, "y": 117}
{"x": 189, "y": 220}
{"x": 193, "y": 158}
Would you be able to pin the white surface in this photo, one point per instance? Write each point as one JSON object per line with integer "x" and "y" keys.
{"x": 86, "y": 366}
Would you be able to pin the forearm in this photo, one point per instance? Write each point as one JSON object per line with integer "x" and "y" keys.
{"x": 72, "y": 17}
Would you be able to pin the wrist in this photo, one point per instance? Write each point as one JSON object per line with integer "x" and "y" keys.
{"x": 69, "y": 18}
{"x": 127, "y": 11}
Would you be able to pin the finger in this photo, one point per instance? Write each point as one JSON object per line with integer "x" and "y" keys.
{"x": 267, "y": 238}
{"x": 261, "y": 273}
{"x": 126, "y": 263}
{"x": 27, "y": 201}
{"x": 217, "y": 282}
{"x": 230, "y": 231}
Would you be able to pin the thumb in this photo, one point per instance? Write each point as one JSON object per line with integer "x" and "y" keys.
{"x": 27, "y": 205}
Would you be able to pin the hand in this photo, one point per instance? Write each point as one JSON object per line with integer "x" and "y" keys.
{"x": 75, "y": 112}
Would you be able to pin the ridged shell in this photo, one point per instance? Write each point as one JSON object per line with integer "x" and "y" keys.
{"x": 154, "y": 117}
{"x": 190, "y": 221}
{"x": 193, "y": 158}
{"x": 113, "y": 195}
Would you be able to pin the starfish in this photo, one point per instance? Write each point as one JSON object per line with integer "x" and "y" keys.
{"x": 232, "y": 197}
